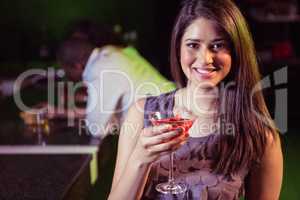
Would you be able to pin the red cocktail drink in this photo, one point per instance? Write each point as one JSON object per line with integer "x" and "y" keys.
{"x": 176, "y": 122}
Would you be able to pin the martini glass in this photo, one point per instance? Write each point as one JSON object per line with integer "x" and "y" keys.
{"x": 171, "y": 186}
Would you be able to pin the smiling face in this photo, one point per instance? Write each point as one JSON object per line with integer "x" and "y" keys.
{"x": 205, "y": 55}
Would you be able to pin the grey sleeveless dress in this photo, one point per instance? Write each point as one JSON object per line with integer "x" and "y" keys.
{"x": 192, "y": 164}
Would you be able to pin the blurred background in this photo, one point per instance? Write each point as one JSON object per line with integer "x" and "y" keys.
{"x": 31, "y": 31}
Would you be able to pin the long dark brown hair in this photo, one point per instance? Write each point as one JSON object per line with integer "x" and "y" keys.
{"x": 242, "y": 108}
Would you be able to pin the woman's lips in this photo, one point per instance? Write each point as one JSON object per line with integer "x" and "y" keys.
{"x": 204, "y": 73}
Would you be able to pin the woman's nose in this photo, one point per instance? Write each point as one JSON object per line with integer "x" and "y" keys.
{"x": 205, "y": 56}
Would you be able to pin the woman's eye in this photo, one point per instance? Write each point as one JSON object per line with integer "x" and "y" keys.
{"x": 218, "y": 46}
{"x": 192, "y": 45}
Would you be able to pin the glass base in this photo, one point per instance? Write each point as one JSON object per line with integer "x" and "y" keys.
{"x": 171, "y": 188}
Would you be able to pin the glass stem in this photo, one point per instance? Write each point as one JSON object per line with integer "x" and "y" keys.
{"x": 171, "y": 167}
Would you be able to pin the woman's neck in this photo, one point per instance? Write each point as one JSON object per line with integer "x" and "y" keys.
{"x": 202, "y": 102}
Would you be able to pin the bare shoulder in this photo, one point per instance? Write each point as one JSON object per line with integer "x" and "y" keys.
{"x": 272, "y": 152}
{"x": 272, "y": 141}
{"x": 134, "y": 119}
{"x": 132, "y": 125}
{"x": 136, "y": 111}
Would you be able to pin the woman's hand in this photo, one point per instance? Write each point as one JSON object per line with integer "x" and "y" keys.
{"x": 156, "y": 141}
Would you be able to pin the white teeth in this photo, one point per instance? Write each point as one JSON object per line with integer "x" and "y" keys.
{"x": 205, "y": 70}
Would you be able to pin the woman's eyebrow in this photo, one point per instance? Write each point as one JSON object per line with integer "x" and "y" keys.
{"x": 192, "y": 40}
{"x": 219, "y": 40}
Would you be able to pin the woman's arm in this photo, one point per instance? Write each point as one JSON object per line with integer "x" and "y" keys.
{"x": 264, "y": 181}
{"x": 127, "y": 140}
{"x": 138, "y": 148}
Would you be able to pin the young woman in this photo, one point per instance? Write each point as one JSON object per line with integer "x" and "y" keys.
{"x": 213, "y": 61}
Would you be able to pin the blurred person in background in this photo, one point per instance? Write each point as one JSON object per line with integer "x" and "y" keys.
{"x": 115, "y": 74}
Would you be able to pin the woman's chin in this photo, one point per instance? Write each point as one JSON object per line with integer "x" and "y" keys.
{"x": 203, "y": 84}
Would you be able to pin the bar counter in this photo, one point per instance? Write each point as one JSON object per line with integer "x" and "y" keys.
{"x": 61, "y": 164}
